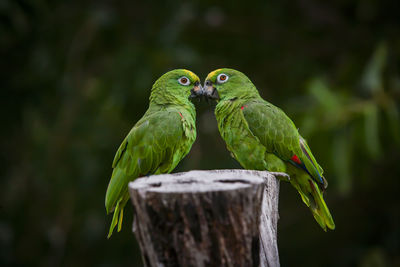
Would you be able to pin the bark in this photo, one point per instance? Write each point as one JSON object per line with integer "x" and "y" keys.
{"x": 207, "y": 218}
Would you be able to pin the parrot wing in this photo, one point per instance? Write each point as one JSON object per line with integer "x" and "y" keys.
{"x": 279, "y": 135}
{"x": 154, "y": 145}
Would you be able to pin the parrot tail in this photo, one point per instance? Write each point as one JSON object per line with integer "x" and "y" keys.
{"x": 318, "y": 207}
{"x": 312, "y": 197}
{"x": 118, "y": 214}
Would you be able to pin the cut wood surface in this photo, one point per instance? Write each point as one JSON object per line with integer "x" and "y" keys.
{"x": 207, "y": 218}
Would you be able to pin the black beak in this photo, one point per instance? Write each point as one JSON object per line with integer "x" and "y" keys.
{"x": 196, "y": 91}
{"x": 210, "y": 91}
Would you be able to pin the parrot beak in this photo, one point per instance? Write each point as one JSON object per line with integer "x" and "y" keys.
{"x": 196, "y": 91}
{"x": 210, "y": 91}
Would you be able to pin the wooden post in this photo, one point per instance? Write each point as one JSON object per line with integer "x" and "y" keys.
{"x": 207, "y": 218}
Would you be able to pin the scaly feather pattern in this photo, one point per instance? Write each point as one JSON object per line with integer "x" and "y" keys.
{"x": 260, "y": 136}
{"x": 157, "y": 142}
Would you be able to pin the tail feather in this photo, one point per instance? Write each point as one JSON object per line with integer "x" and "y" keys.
{"x": 118, "y": 214}
{"x": 304, "y": 197}
{"x": 319, "y": 209}
{"x": 312, "y": 196}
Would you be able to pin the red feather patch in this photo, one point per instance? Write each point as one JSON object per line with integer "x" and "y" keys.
{"x": 296, "y": 159}
{"x": 180, "y": 114}
{"x": 242, "y": 107}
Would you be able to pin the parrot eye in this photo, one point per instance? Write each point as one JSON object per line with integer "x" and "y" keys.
{"x": 184, "y": 80}
{"x": 222, "y": 78}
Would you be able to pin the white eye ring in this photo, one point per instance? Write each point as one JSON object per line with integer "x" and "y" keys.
{"x": 222, "y": 78}
{"x": 184, "y": 80}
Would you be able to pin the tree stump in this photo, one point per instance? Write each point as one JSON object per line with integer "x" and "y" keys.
{"x": 207, "y": 218}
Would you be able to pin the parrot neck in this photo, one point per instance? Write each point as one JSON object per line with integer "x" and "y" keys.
{"x": 237, "y": 101}
{"x": 227, "y": 106}
{"x": 166, "y": 100}
{"x": 162, "y": 97}
{"x": 240, "y": 93}
{"x": 161, "y": 103}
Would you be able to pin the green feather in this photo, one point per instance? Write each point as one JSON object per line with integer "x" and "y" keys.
{"x": 262, "y": 137}
{"x": 157, "y": 142}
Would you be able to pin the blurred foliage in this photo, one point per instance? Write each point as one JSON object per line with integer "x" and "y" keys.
{"x": 356, "y": 121}
{"x": 76, "y": 75}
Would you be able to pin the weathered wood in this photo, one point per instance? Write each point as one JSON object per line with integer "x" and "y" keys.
{"x": 207, "y": 218}
{"x": 269, "y": 255}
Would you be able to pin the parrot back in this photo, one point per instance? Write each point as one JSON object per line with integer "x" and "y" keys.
{"x": 156, "y": 144}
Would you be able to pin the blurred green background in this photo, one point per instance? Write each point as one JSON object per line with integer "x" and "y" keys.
{"x": 76, "y": 75}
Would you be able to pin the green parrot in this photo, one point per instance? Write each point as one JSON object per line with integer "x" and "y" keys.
{"x": 261, "y": 137}
{"x": 158, "y": 141}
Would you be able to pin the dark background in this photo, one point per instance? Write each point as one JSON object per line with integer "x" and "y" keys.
{"x": 76, "y": 75}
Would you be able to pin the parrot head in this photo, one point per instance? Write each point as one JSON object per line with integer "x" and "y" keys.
{"x": 227, "y": 83}
{"x": 176, "y": 85}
